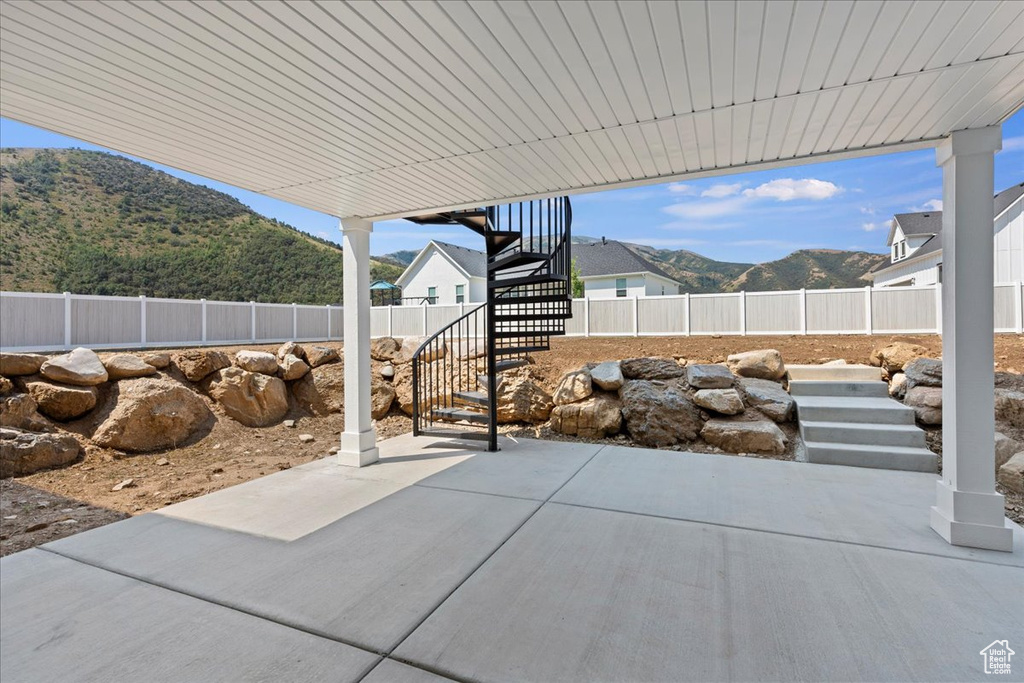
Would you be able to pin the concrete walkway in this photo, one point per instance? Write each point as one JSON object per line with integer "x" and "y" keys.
{"x": 545, "y": 562}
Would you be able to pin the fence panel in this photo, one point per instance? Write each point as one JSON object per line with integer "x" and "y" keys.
{"x": 663, "y": 315}
{"x": 407, "y": 321}
{"x": 576, "y": 326}
{"x": 379, "y": 316}
{"x": 311, "y": 323}
{"x": 31, "y": 320}
{"x": 1005, "y": 307}
{"x": 228, "y": 322}
{"x": 715, "y": 314}
{"x": 773, "y": 312}
{"x": 273, "y": 322}
{"x": 106, "y": 321}
{"x": 439, "y": 317}
{"x": 903, "y": 309}
{"x": 836, "y": 311}
{"x": 337, "y": 322}
{"x": 611, "y": 317}
{"x": 170, "y": 321}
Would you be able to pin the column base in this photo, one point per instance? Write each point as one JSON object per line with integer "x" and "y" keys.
{"x": 973, "y": 520}
{"x": 358, "y": 449}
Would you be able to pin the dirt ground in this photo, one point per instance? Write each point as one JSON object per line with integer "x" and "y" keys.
{"x": 231, "y": 453}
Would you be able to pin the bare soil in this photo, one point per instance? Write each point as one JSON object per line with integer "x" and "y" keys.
{"x": 231, "y": 453}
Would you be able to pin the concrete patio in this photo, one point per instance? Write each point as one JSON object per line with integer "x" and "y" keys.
{"x": 544, "y": 562}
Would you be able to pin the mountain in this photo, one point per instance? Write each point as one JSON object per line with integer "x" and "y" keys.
{"x": 96, "y": 223}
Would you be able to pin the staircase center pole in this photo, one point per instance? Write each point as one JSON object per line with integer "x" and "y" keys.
{"x": 492, "y": 385}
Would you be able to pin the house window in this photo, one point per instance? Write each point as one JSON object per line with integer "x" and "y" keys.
{"x": 431, "y": 295}
{"x": 460, "y": 293}
{"x": 620, "y": 286}
{"x": 663, "y": 290}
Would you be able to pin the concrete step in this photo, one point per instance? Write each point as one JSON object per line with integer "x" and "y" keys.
{"x": 853, "y": 409}
{"x": 835, "y": 373}
{"x": 866, "y": 434}
{"x": 834, "y": 388}
{"x": 881, "y": 457}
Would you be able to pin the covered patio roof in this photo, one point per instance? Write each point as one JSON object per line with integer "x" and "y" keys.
{"x": 378, "y": 109}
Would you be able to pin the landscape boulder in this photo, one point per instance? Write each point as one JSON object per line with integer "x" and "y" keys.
{"x": 923, "y": 372}
{"x": 927, "y": 404}
{"x": 1011, "y": 474}
{"x": 469, "y": 349}
{"x": 385, "y": 348}
{"x": 429, "y": 355}
{"x": 1006, "y": 448}
{"x": 658, "y": 413}
{"x": 19, "y": 411}
{"x": 708, "y": 376}
{"x": 1010, "y": 407}
{"x": 724, "y": 401}
{"x": 651, "y": 368}
{"x": 18, "y": 364}
{"x": 607, "y": 376}
{"x": 257, "y": 361}
{"x": 198, "y": 364}
{"x": 898, "y": 386}
{"x": 382, "y": 395}
{"x": 768, "y": 397}
{"x": 402, "y": 384}
{"x": 158, "y": 359}
{"x": 6, "y": 386}
{"x": 761, "y": 364}
{"x": 322, "y": 391}
{"x": 250, "y": 398}
{"x": 82, "y": 367}
{"x": 60, "y": 401}
{"x": 126, "y": 366}
{"x": 741, "y": 436}
{"x": 152, "y": 413}
{"x": 292, "y": 368}
{"x": 522, "y": 398}
{"x": 574, "y": 386}
{"x": 290, "y": 348}
{"x": 895, "y": 356}
{"x": 26, "y": 452}
{"x": 321, "y": 355}
{"x": 598, "y": 416}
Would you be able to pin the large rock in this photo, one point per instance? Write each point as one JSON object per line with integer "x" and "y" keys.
{"x": 126, "y": 366}
{"x": 1010, "y": 407}
{"x": 253, "y": 399}
{"x": 19, "y": 411}
{"x": 735, "y": 436}
{"x": 658, "y": 413}
{"x": 6, "y": 386}
{"x": 158, "y": 359}
{"x": 574, "y": 386}
{"x": 292, "y": 368}
{"x": 521, "y": 398}
{"x": 709, "y": 376}
{"x": 895, "y": 356}
{"x": 768, "y": 397}
{"x": 598, "y": 416}
{"x": 1005, "y": 448}
{"x": 385, "y": 348}
{"x": 651, "y": 368}
{"x": 257, "y": 361}
{"x": 81, "y": 367}
{"x": 469, "y": 349}
{"x": 409, "y": 345}
{"x": 290, "y": 348}
{"x": 321, "y": 391}
{"x": 724, "y": 401}
{"x": 402, "y": 384}
{"x": 761, "y": 364}
{"x": 152, "y": 413}
{"x": 923, "y": 372}
{"x": 60, "y": 401}
{"x": 321, "y": 355}
{"x": 927, "y": 404}
{"x": 198, "y": 364}
{"x": 18, "y": 364}
{"x": 898, "y": 386}
{"x": 607, "y": 376}
{"x": 382, "y": 394}
{"x": 1011, "y": 474}
{"x": 24, "y": 452}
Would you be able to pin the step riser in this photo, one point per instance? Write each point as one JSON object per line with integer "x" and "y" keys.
{"x": 866, "y": 437}
{"x": 878, "y": 459}
{"x": 889, "y": 416}
{"x": 817, "y": 388}
{"x": 834, "y": 373}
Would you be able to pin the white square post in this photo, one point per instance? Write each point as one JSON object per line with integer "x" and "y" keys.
{"x": 359, "y": 440}
{"x": 968, "y": 511}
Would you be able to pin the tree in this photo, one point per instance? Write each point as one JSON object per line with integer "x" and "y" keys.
{"x": 577, "y": 281}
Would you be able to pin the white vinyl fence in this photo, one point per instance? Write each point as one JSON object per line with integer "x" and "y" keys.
{"x": 44, "y": 322}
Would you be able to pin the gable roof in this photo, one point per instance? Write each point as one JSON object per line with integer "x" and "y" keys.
{"x": 470, "y": 262}
{"x": 612, "y": 258}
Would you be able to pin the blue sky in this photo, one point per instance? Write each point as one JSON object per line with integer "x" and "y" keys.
{"x": 746, "y": 217}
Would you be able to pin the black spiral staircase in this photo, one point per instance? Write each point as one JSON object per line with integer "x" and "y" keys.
{"x": 457, "y": 372}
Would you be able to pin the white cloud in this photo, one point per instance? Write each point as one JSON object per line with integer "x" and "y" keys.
{"x": 708, "y": 209}
{"x": 871, "y": 227}
{"x": 1014, "y": 144}
{"x": 681, "y": 188}
{"x": 722, "y": 190}
{"x": 930, "y": 205}
{"x": 867, "y": 210}
{"x": 787, "y": 189}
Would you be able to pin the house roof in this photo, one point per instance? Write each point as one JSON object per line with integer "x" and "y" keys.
{"x": 471, "y": 262}
{"x": 612, "y": 258}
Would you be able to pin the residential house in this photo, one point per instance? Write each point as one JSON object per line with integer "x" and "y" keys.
{"x": 444, "y": 273}
{"x": 610, "y": 269}
{"x": 915, "y": 244}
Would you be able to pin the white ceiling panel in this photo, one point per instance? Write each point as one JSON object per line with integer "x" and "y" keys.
{"x": 392, "y": 108}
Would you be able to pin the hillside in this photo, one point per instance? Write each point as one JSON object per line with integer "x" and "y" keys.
{"x": 97, "y": 223}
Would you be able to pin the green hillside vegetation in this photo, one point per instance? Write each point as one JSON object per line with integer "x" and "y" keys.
{"x": 96, "y": 223}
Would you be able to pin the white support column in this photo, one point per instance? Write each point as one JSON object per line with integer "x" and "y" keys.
{"x": 359, "y": 440}
{"x": 968, "y": 511}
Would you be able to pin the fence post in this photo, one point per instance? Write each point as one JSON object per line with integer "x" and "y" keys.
{"x": 252, "y": 305}
{"x": 803, "y": 311}
{"x": 202, "y": 303}
{"x": 295, "y": 321}
{"x": 586, "y": 316}
{"x": 686, "y": 313}
{"x": 938, "y": 308}
{"x": 868, "y": 322}
{"x": 391, "y": 320}
{"x": 328, "y": 337}
{"x": 1018, "y": 297}
{"x": 142, "y": 321}
{"x": 67, "y": 321}
{"x": 425, "y": 320}
{"x": 743, "y": 312}
{"x": 636, "y": 316}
